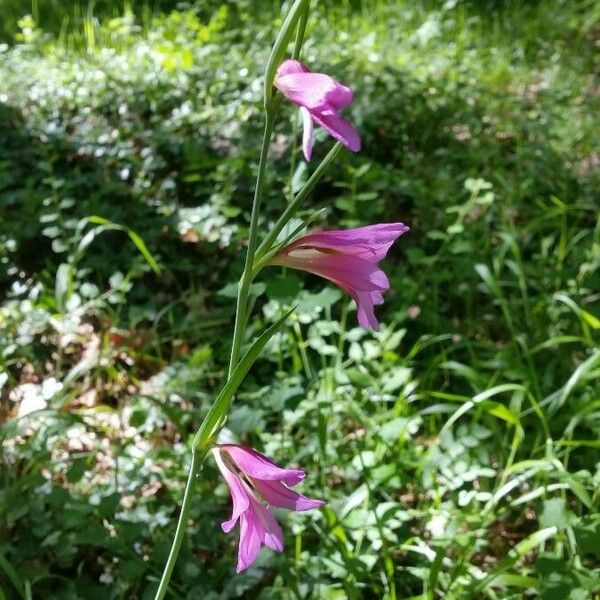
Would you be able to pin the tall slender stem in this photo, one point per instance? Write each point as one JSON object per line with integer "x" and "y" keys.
{"x": 197, "y": 458}
{"x": 240, "y": 323}
{"x": 246, "y": 280}
{"x": 301, "y": 31}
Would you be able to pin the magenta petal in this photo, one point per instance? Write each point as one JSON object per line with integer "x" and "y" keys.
{"x": 260, "y": 478}
{"x": 363, "y": 280}
{"x": 251, "y": 537}
{"x": 315, "y": 91}
{"x": 323, "y": 97}
{"x": 343, "y": 269}
{"x": 257, "y": 526}
{"x": 272, "y": 534}
{"x": 257, "y": 465}
{"x": 371, "y": 242}
{"x": 365, "y": 303}
{"x": 348, "y": 258}
{"x": 239, "y": 494}
{"x": 277, "y": 494}
{"x": 290, "y": 66}
{"x": 338, "y": 128}
{"x": 307, "y": 133}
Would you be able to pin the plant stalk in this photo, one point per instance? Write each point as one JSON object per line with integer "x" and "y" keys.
{"x": 199, "y": 452}
{"x": 246, "y": 279}
{"x": 197, "y": 459}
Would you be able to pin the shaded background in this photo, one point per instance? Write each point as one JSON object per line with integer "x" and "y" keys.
{"x": 457, "y": 448}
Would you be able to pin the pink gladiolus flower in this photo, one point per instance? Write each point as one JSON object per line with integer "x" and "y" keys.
{"x": 350, "y": 259}
{"x": 319, "y": 97}
{"x": 253, "y": 479}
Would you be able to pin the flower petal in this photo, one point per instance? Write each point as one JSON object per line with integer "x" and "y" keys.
{"x": 251, "y": 537}
{"x": 315, "y": 91}
{"x": 338, "y": 128}
{"x": 277, "y": 494}
{"x": 345, "y": 270}
{"x": 291, "y": 66}
{"x": 307, "y": 133}
{"x": 240, "y": 496}
{"x": 365, "y": 303}
{"x": 371, "y": 242}
{"x": 272, "y": 534}
{"x": 257, "y": 465}
{"x": 349, "y": 258}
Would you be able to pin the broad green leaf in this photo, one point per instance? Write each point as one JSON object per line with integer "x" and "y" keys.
{"x": 555, "y": 513}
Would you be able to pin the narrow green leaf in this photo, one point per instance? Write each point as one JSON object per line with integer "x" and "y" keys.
{"x": 579, "y": 443}
{"x": 356, "y": 498}
{"x": 589, "y": 318}
{"x": 304, "y": 224}
{"x": 577, "y": 488}
{"x": 218, "y": 411}
{"x": 502, "y": 412}
{"x": 520, "y": 550}
{"x": 494, "y": 408}
{"x": 578, "y": 375}
{"x": 295, "y": 204}
{"x": 532, "y": 541}
{"x": 301, "y": 30}
{"x": 107, "y": 225}
{"x": 89, "y": 237}
{"x": 12, "y": 576}
{"x": 510, "y": 580}
{"x": 141, "y": 246}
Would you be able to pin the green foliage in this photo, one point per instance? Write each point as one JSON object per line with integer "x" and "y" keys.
{"x": 457, "y": 448}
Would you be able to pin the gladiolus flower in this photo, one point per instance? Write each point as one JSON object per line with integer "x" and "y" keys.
{"x": 319, "y": 97}
{"x": 350, "y": 259}
{"x": 252, "y": 479}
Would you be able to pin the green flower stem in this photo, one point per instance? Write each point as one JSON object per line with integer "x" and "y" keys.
{"x": 267, "y": 243}
{"x": 279, "y": 47}
{"x": 301, "y": 31}
{"x": 203, "y": 440}
{"x": 197, "y": 458}
{"x": 215, "y": 415}
{"x": 246, "y": 280}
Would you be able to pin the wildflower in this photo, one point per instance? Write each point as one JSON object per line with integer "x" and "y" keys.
{"x": 319, "y": 97}
{"x": 253, "y": 478}
{"x": 350, "y": 259}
